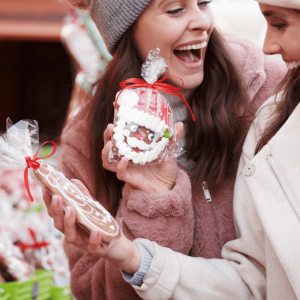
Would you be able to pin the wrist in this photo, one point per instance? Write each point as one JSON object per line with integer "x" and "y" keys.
{"x": 132, "y": 264}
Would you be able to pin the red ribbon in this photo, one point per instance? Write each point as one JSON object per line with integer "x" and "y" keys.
{"x": 157, "y": 85}
{"x": 36, "y": 245}
{"x": 32, "y": 163}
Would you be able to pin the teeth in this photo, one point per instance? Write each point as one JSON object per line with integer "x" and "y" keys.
{"x": 194, "y": 47}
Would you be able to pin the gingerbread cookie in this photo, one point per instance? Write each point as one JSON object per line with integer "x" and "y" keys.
{"x": 143, "y": 126}
{"x": 90, "y": 214}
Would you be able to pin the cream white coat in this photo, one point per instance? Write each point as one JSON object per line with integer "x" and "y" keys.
{"x": 264, "y": 261}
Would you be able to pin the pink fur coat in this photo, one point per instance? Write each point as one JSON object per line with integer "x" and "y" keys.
{"x": 180, "y": 219}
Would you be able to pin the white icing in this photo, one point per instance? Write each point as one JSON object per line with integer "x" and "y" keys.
{"x": 128, "y": 113}
{"x": 128, "y": 98}
{"x": 85, "y": 206}
{"x": 119, "y": 137}
{"x": 135, "y": 143}
{"x": 161, "y": 126}
{"x": 152, "y": 123}
{"x": 147, "y": 120}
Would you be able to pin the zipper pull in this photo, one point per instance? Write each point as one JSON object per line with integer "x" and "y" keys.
{"x": 206, "y": 191}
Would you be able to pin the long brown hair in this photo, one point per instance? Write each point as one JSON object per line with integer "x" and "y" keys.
{"x": 290, "y": 98}
{"x": 214, "y": 140}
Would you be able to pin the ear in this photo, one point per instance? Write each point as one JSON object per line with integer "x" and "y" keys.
{"x": 81, "y": 4}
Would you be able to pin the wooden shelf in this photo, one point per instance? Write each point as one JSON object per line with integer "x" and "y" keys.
{"x": 31, "y": 19}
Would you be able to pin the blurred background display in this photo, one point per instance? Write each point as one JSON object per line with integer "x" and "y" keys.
{"x": 36, "y": 73}
{"x": 240, "y": 18}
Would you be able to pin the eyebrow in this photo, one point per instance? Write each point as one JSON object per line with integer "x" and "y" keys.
{"x": 270, "y": 13}
{"x": 162, "y": 2}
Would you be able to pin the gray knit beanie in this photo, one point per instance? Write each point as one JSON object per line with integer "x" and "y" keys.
{"x": 112, "y": 17}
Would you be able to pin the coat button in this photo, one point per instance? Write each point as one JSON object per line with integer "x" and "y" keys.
{"x": 249, "y": 169}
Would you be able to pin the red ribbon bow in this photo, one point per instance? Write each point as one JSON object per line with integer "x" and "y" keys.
{"x": 36, "y": 245}
{"x": 32, "y": 163}
{"x": 157, "y": 85}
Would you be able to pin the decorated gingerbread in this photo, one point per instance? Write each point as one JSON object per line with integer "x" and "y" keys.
{"x": 17, "y": 146}
{"x": 143, "y": 125}
{"x": 144, "y": 129}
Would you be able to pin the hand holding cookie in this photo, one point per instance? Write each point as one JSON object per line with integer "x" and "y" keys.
{"x": 123, "y": 253}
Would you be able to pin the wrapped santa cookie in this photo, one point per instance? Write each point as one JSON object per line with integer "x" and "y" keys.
{"x": 12, "y": 262}
{"x": 144, "y": 129}
{"x": 17, "y": 148}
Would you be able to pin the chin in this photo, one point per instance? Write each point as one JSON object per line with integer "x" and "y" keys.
{"x": 193, "y": 83}
{"x": 190, "y": 82}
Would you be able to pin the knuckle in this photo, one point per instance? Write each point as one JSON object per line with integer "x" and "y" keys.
{"x": 92, "y": 249}
{"x": 58, "y": 226}
{"x": 119, "y": 176}
{"x": 70, "y": 239}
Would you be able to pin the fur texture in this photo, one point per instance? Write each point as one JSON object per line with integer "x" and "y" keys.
{"x": 174, "y": 219}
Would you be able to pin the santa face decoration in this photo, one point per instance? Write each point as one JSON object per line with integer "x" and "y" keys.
{"x": 143, "y": 125}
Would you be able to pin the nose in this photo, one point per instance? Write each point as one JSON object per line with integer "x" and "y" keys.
{"x": 199, "y": 20}
{"x": 271, "y": 43}
{"x": 139, "y": 137}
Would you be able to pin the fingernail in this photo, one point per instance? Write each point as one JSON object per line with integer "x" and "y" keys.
{"x": 68, "y": 212}
{"x": 94, "y": 234}
{"x": 123, "y": 159}
{"x": 54, "y": 201}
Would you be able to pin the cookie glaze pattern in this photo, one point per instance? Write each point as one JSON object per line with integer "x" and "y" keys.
{"x": 89, "y": 213}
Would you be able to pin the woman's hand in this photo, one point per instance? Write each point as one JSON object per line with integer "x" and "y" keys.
{"x": 123, "y": 253}
{"x": 151, "y": 178}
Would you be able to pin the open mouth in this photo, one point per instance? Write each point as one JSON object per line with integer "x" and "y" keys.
{"x": 190, "y": 53}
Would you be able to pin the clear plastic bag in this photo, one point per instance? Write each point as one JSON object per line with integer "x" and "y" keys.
{"x": 12, "y": 262}
{"x": 21, "y": 142}
{"x": 144, "y": 129}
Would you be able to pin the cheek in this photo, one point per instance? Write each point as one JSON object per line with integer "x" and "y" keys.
{"x": 152, "y": 33}
{"x": 292, "y": 45}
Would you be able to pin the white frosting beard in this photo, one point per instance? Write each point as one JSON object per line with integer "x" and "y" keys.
{"x": 127, "y": 115}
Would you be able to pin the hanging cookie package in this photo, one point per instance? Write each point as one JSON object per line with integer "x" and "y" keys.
{"x": 19, "y": 148}
{"x": 144, "y": 126}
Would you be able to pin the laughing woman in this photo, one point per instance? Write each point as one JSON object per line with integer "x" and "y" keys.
{"x": 191, "y": 215}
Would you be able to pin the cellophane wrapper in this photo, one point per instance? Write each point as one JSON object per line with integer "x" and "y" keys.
{"x": 22, "y": 140}
{"x": 144, "y": 127}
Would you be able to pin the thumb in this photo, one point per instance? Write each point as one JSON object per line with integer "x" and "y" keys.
{"x": 179, "y": 132}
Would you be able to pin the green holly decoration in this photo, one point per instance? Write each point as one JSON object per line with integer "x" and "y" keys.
{"x": 167, "y": 133}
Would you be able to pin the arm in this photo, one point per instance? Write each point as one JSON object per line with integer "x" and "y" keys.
{"x": 239, "y": 275}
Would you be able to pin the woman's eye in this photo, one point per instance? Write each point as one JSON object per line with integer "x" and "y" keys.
{"x": 134, "y": 128}
{"x": 175, "y": 11}
{"x": 203, "y": 3}
{"x": 150, "y": 136}
{"x": 279, "y": 25}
